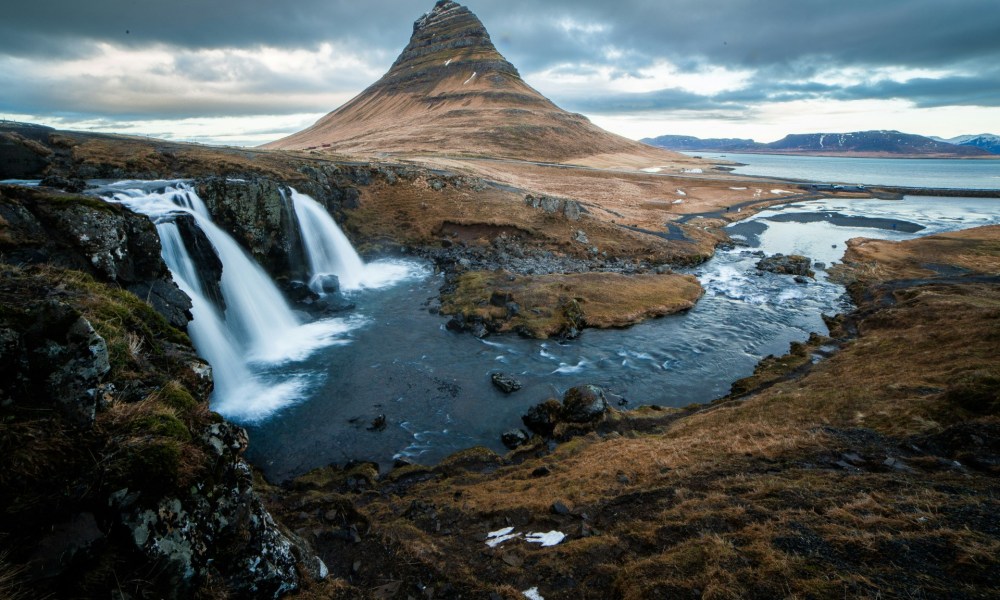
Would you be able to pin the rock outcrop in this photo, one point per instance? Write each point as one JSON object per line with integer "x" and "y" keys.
{"x": 114, "y": 475}
{"x": 792, "y": 264}
{"x": 89, "y": 235}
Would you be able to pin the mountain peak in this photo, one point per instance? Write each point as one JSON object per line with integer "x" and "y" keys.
{"x": 451, "y": 92}
{"x": 447, "y": 39}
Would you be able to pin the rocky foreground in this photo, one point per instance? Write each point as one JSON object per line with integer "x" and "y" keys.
{"x": 872, "y": 472}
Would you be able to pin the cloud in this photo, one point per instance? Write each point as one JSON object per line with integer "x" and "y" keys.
{"x": 148, "y": 61}
{"x": 162, "y": 82}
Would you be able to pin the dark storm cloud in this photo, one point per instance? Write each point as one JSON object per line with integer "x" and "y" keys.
{"x": 784, "y": 42}
{"x": 733, "y": 32}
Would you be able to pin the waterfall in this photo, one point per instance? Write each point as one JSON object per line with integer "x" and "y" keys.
{"x": 329, "y": 252}
{"x": 257, "y": 327}
{"x": 327, "y": 249}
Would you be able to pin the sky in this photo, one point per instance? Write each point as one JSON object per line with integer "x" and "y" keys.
{"x": 245, "y": 72}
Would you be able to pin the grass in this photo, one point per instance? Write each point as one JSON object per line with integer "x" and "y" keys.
{"x": 553, "y": 304}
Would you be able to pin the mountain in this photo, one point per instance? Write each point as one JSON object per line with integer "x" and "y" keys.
{"x": 860, "y": 143}
{"x": 687, "y": 142}
{"x": 986, "y": 141}
{"x": 452, "y": 92}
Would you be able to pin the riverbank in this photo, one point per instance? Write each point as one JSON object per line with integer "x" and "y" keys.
{"x": 824, "y": 469}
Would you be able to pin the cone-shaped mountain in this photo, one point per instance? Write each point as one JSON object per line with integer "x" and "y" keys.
{"x": 452, "y": 92}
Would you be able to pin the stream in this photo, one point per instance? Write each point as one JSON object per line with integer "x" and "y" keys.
{"x": 433, "y": 386}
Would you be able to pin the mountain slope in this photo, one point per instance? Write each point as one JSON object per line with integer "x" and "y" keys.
{"x": 452, "y": 92}
{"x": 986, "y": 141}
{"x": 860, "y": 143}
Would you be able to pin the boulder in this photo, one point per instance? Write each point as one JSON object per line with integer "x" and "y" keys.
{"x": 543, "y": 418}
{"x": 326, "y": 283}
{"x": 584, "y": 404}
{"x": 505, "y": 383}
{"x": 792, "y": 264}
{"x": 513, "y": 438}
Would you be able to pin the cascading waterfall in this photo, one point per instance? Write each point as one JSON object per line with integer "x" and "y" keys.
{"x": 327, "y": 249}
{"x": 257, "y": 329}
{"x": 329, "y": 252}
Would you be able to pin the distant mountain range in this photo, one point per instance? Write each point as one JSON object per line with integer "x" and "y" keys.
{"x": 860, "y": 143}
{"x": 986, "y": 141}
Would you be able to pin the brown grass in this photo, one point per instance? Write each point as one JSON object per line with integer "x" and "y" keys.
{"x": 976, "y": 250}
{"x": 551, "y": 304}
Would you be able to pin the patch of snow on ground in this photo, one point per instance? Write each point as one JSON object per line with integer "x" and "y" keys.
{"x": 448, "y": 62}
{"x": 495, "y": 538}
{"x": 738, "y": 189}
{"x": 471, "y": 77}
{"x": 693, "y": 171}
{"x": 681, "y": 193}
{"x": 652, "y": 169}
{"x": 546, "y": 539}
{"x": 781, "y": 192}
{"x": 678, "y": 201}
{"x": 532, "y": 594}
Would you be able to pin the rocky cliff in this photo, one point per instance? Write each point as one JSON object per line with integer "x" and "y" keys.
{"x": 114, "y": 474}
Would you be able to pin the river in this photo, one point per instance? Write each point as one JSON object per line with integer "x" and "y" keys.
{"x": 433, "y": 386}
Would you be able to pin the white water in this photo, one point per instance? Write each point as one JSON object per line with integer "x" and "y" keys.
{"x": 329, "y": 252}
{"x": 258, "y": 329}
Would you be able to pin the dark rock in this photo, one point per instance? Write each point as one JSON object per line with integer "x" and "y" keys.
{"x": 22, "y": 156}
{"x": 514, "y": 437}
{"x": 70, "y": 358}
{"x": 64, "y": 541}
{"x": 332, "y": 303}
{"x": 558, "y": 508}
{"x": 505, "y": 383}
{"x": 261, "y": 218}
{"x": 456, "y": 324}
{"x": 572, "y": 210}
{"x": 223, "y": 527}
{"x": 298, "y": 291}
{"x": 478, "y": 329}
{"x": 513, "y": 309}
{"x": 165, "y": 298}
{"x": 203, "y": 255}
{"x": 501, "y": 298}
{"x": 73, "y": 185}
{"x": 542, "y": 418}
{"x": 541, "y": 472}
{"x": 584, "y": 404}
{"x": 327, "y": 283}
{"x": 787, "y": 265}
{"x": 378, "y": 424}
